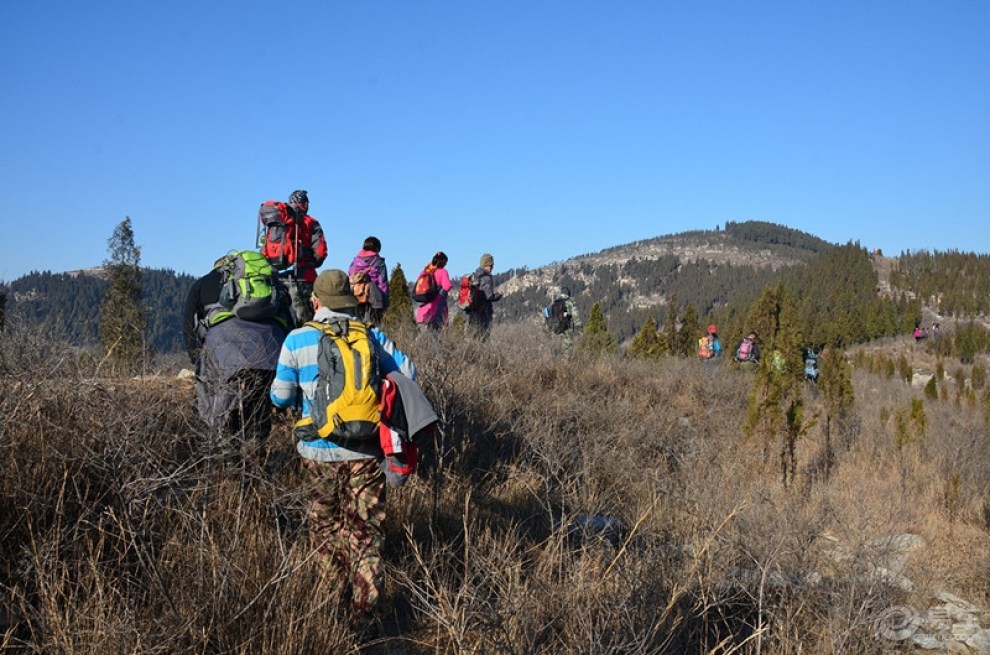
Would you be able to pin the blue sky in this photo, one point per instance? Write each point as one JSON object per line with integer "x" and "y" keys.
{"x": 533, "y": 130}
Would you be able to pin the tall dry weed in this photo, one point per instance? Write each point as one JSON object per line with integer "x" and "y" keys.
{"x": 566, "y": 504}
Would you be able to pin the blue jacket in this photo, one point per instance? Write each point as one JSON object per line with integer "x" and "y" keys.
{"x": 295, "y": 383}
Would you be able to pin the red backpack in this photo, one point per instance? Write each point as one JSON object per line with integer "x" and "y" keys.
{"x": 278, "y": 242}
{"x": 467, "y": 295}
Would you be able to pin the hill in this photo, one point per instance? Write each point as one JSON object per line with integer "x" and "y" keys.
{"x": 844, "y": 294}
{"x": 706, "y": 269}
{"x": 69, "y": 303}
{"x": 718, "y": 272}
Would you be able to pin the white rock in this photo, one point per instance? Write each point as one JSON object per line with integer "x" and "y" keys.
{"x": 980, "y": 642}
{"x": 891, "y": 579}
{"x": 955, "y": 603}
{"x": 926, "y": 641}
{"x": 186, "y": 374}
{"x": 963, "y": 630}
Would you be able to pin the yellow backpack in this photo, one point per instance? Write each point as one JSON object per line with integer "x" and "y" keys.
{"x": 706, "y": 347}
{"x": 346, "y": 404}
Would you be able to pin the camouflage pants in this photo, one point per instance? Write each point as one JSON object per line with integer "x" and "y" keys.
{"x": 345, "y": 525}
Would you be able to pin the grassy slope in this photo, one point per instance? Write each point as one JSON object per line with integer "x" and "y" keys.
{"x": 121, "y": 533}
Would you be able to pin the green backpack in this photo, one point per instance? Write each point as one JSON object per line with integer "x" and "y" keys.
{"x": 249, "y": 290}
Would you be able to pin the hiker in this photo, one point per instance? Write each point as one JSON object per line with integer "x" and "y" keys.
{"x": 709, "y": 347}
{"x": 235, "y": 363}
{"x": 348, "y": 486}
{"x": 310, "y": 251}
{"x": 748, "y": 351}
{"x": 561, "y": 317}
{"x": 430, "y": 291}
{"x": 918, "y": 333}
{"x": 811, "y": 365}
{"x": 484, "y": 295}
{"x": 205, "y": 294}
{"x": 369, "y": 282}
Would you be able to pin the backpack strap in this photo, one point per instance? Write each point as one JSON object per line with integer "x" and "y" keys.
{"x": 333, "y": 324}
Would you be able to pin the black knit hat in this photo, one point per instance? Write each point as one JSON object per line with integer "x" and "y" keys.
{"x": 299, "y": 197}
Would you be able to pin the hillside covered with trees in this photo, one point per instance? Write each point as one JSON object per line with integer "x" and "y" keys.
{"x": 705, "y": 276}
{"x": 835, "y": 288}
{"x": 69, "y": 305}
{"x": 956, "y": 283}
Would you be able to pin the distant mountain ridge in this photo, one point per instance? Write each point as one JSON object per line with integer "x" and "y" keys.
{"x": 718, "y": 272}
{"x": 708, "y": 269}
{"x": 705, "y": 268}
{"x": 737, "y": 245}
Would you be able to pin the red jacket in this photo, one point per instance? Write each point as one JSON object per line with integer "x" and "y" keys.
{"x": 312, "y": 248}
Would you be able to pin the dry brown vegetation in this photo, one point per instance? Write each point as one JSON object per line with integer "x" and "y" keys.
{"x": 121, "y": 534}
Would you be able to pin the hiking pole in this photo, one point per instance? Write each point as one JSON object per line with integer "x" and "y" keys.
{"x": 257, "y": 233}
{"x": 298, "y": 302}
{"x": 296, "y": 249}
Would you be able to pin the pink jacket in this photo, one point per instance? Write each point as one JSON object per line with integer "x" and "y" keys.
{"x": 435, "y": 311}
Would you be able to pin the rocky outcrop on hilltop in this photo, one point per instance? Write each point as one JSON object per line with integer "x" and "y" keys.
{"x": 718, "y": 249}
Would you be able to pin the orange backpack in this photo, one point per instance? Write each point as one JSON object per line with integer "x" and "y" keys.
{"x": 426, "y": 288}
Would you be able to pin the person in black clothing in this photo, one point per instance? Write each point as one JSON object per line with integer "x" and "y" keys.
{"x": 204, "y": 292}
{"x": 480, "y": 316}
{"x": 235, "y": 363}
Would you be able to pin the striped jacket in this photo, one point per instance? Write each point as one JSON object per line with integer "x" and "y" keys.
{"x": 295, "y": 383}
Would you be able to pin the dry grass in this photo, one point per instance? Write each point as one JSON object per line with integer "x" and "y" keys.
{"x": 122, "y": 534}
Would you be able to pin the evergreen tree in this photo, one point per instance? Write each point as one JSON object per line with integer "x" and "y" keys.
{"x": 835, "y": 383}
{"x": 398, "y": 317}
{"x": 776, "y": 404}
{"x": 648, "y": 343}
{"x": 670, "y": 326}
{"x": 969, "y": 340}
{"x": 123, "y": 318}
{"x": 688, "y": 333}
{"x": 596, "y": 338}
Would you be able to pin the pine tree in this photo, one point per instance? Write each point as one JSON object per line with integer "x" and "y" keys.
{"x": 670, "y": 326}
{"x": 648, "y": 343}
{"x": 123, "y": 318}
{"x": 398, "y": 317}
{"x": 835, "y": 383}
{"x": 596, "y": 338}
{"x": 776, "y": 403}
{"x": 689, "y": 332}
